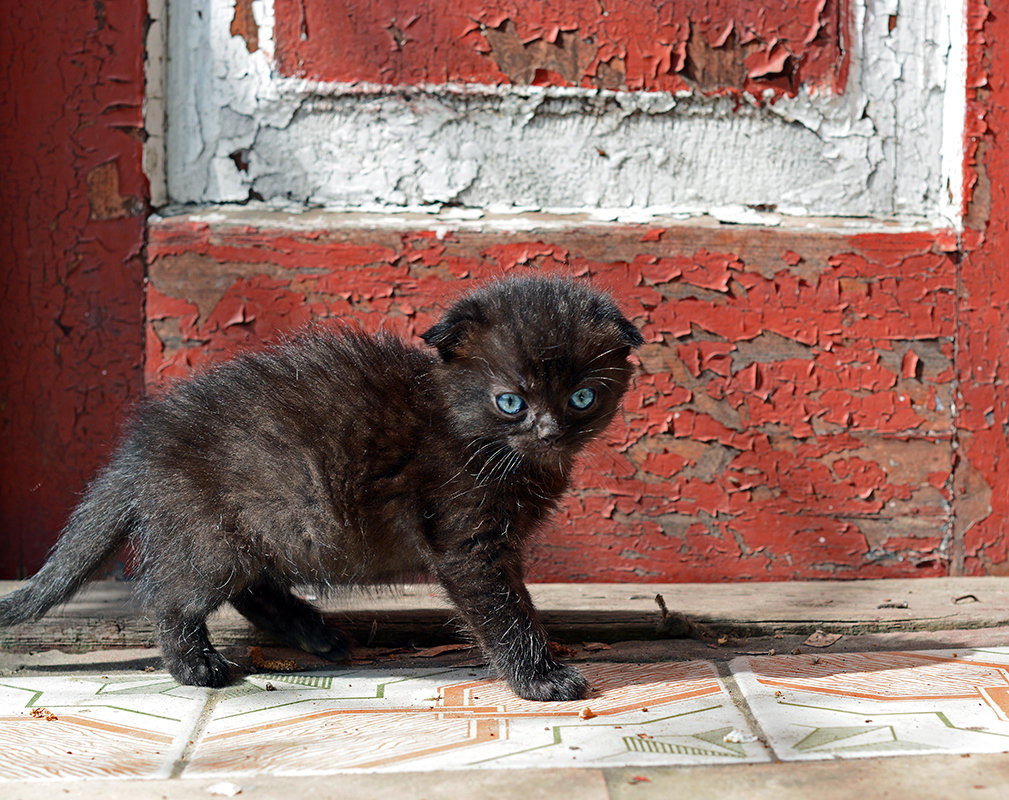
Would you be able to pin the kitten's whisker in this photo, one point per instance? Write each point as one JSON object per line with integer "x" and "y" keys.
{"x": 490, "y": 476}
{"x": 489, "y": 464}
{"x": 598, "y": 376}
{"x": 514, "y": 460}
{"x": 503, "y": 466}
{"x": 479, "y": 451}
{"x": 611, "y": 368}
{"x": 604, "y": 354}
{"x": 468, "y": 462}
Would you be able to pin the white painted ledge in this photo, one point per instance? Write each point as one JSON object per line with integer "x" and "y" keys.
{"x": 295, "y": 217}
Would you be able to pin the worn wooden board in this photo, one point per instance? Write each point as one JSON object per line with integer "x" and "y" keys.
{"x": 105, "y": 614}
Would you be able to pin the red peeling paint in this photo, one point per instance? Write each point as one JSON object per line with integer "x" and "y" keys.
{"x": 775, "y": 429}
{"x": 636, "y": 45}
{"x": 72, "y": 233}
{"x": 981, "y": 487}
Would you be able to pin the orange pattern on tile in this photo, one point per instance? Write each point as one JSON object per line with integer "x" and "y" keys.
{"x": 319, "y": 716}
{"x": 616, "y": 688}
{"x": 997, "y": 697}
{"x": 466, "y": 714}
{"x": 889, "y": 676}
{"x": 96, "y": 749}
{"x": 341, "y": 739}
{"x": 482, "y": 730}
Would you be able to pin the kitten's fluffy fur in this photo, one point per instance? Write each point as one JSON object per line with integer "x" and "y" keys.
{"x": 342, "y": 458}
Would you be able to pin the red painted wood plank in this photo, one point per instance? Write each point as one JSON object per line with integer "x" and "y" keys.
{"x": 774, "y": 431}
{"x": 981, "y": 490}
{"x": 72, "y": 232}
{"x": 649, "y": 45}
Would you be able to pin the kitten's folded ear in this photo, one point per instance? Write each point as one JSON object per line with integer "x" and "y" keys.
{"x": 631, "y": 336}
{"x": 452, "y": 331}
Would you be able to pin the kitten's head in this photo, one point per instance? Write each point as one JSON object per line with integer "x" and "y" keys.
{"x": 535, "y": 364}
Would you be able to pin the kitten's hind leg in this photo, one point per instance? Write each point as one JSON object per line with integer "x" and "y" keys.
{"x": 272, "y": 608}
{"x": 188, "y": 654}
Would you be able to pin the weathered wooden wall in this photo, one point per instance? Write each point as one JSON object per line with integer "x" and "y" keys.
{"x": 72, "y": 233}
{"x": 981, "y": 490}
{"x": 809, "y": 404}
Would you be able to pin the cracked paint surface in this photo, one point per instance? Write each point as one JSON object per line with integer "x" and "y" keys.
{"x": 72, "y": 230}
{"x": 541, "y": 113}
{"x": 793, "y": 414}
{"x": 981, "y": 488}
{"x": 636, "y": 45}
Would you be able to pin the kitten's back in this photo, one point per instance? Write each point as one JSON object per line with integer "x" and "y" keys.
{"x": 283, "y": 449}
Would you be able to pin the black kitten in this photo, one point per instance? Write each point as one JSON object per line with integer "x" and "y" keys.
{"x": 342, "y": 458}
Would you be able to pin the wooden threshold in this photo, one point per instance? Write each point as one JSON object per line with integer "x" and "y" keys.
{"x": 105, "y": 614}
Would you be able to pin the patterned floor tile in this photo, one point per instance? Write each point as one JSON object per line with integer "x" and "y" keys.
{"x": 639, "y": 714}
{"x": 814, "y": 706}
{"x": 92, "y": 726}
{"x": 809, "y": 706}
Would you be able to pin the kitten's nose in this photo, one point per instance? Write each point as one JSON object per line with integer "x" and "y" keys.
{"x": 547, "y": 429}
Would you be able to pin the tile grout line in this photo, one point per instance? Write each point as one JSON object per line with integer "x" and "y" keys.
{"x": 196, "y": 733}
{"x": 728, "y": 677}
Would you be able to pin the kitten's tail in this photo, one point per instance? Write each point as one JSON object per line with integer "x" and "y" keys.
{"x": 97, "y": 528}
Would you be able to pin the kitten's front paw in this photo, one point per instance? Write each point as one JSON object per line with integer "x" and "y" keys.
{"x": 208, "y": 668}
{"x": 560, "y": 683}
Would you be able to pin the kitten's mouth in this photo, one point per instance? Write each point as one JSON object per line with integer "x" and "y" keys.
{"x": 553, "y": 454}
{"x": 535, "y": 447}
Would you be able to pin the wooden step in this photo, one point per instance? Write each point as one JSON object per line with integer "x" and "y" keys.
{"x": 105, "y": 614}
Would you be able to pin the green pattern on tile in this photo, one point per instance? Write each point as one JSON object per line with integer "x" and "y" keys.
{"x": 37, "y": 696}
{"x": 861, "y": 713}
{"x": 35, "y": 693}
{"x": 882, "y": 747}
{"x": 821, "y": 737}
{"x": 636, "y": 744}
{"x": 717, "y": 738}
{"x": 558, "y": 736}
{"x": 157, "y": 686}
{"x": 378, "y": 695}
{"x": 304, "y": 681}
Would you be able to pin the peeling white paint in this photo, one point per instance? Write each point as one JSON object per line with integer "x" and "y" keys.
{"x": 887, "y": 149}
{"x": 952, "y": 59}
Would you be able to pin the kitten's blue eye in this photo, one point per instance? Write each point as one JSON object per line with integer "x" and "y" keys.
{"x": 510, "y": 403}
{"x": 583, "y": 398}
